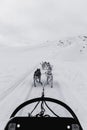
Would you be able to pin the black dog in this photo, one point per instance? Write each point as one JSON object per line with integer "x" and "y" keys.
{"x": 37, "y": 77}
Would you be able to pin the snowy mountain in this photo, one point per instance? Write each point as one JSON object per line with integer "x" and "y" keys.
{"x": 69, "y": 60}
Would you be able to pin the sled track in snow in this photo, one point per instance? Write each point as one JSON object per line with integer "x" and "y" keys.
{"x": 60, "y": 93}
{"x": 26, "y": 98}
{"x": 28, "y": 94}
{"x": 19, "y": 82}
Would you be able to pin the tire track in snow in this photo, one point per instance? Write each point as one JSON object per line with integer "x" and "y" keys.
{"x": 19, "y": 82}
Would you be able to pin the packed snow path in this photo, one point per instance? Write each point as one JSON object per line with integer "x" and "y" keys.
{"x": 70, "y": 81}
{"x": 24, "y": 90}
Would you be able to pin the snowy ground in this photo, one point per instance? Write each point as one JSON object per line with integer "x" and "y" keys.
{"x": 17, "y": 65}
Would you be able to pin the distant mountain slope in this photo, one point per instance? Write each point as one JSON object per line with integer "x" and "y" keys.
{"x": 65, "y": 49}
{"x": 74, "y": 48}
{"x": 70, "y": 40}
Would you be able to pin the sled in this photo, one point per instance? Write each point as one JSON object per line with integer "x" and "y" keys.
{"x": 41, "y": 120}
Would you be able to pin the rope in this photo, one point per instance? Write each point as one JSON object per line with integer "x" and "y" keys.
{"x": 51, "y": 110}
{"x": 34, "y": 108}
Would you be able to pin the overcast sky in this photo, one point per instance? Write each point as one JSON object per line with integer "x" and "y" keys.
{"x": 24, "y": 21}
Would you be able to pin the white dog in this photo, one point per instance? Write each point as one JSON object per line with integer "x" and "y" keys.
{"x": 49, "y": 76}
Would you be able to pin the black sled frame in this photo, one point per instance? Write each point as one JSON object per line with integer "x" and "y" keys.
{"x": 42, "y": 120}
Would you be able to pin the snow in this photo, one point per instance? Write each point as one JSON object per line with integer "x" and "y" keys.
{"x": 17, "y": 65}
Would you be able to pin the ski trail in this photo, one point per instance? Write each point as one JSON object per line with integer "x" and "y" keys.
{"x": 19, "y": 82}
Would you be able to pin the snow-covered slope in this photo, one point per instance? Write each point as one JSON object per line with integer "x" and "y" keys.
{"x": 17, "y": 66}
